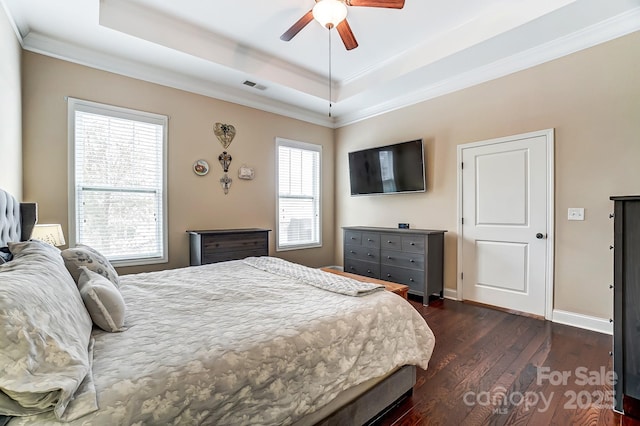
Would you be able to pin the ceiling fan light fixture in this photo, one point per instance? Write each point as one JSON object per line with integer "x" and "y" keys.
{"x": 329, "y": 13}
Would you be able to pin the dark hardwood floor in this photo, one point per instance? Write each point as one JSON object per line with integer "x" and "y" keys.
{"x": 494, "y": 368}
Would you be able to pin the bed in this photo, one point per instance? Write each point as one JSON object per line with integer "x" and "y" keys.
{"x": 254, "y": 341}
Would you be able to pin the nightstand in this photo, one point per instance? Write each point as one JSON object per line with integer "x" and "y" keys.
{"x": 220, "y": 245}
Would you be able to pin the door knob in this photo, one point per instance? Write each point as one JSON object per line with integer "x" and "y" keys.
{"x": 539, "y": 236}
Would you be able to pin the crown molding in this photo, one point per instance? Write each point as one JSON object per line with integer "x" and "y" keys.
{"x": 13, "y": 23}
{"x": 38, "y": 43}
{"x": 607, "y": 30}
{"x": 604, "y": 31}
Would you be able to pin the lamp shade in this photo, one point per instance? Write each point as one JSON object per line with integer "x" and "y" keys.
{"x": 329, "y": 12}
{"x": 49, "y": 233}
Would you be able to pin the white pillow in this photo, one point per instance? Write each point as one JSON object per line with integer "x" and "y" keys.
{"x": 102, "y": 299}
{"x": 83, "y": 255}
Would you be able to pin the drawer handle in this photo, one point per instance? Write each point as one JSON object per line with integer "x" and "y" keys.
{"x": 351, "y": 251}
{"x": 368, "y": 271}
{"x": 411, "y": 261}
{"x": 353, "y": 238}
{"x": 389, "y": 257}
{"x": 352, "y": 268}
{"x": 388, "y": 275}
{"x": 369, "y": 239}
{"x": 389, "y": 242}
{"x": 412, "y": 243}
{"x": 411, "y": 279}
{"x": 369, "y": 254}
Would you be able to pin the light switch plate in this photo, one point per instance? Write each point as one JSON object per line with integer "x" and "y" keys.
{"x": 576, "y": 213}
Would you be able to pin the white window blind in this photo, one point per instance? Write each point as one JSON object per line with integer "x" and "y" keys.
{"x": 118, "y": 182}
{"x": 298, "y": 195}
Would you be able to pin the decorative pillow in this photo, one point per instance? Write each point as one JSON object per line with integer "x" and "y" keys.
{"x": 83, "y": 255}
{"x": 102, "y": 299}
{"x": 45, "y": 334}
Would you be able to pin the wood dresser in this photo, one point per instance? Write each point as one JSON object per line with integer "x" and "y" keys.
{"x": 413, "y": 257}
{"x": 626, "y": 305}
{"x": 399, "y": 289}
{"x": 219, "y": 245}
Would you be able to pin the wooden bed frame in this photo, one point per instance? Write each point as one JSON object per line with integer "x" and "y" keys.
{"x": 360, "y": 405}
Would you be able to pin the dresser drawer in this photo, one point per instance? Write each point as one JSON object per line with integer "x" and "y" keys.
{"x": 390, "y": 242}
{"x": 360, "y": 267}
{"x": 362, "y": 253}
{"x": 411, "y": 277}
{"x": 353, "y": 237}
{"x": 370, "y": 240}
{"x": 413, "y": 243}
{"x": 215, "y": 257}
{"x": 211, "y": 243}
{"x": 402, "y": 259}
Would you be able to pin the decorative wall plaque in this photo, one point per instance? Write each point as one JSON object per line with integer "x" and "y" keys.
{"x": 201, "y": 167}
{"x": 225, "y": 134}
{"x": 246, "y": 172}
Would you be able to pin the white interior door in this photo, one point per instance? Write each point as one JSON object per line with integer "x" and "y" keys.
{"x": 506, "y": 222}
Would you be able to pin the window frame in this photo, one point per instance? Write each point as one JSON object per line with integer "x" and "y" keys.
{"x": 107, "y": 110}
{"x": 309, "y": 147}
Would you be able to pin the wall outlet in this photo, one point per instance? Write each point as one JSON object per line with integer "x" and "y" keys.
{"x": 576, "y": 213}
{"x": 403, "y": 225}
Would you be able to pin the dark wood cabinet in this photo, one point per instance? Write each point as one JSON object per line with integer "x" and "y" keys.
{"x": 413, "y": 257}
{"x": 219, "y": 245}
{"x": 626, "y": 304}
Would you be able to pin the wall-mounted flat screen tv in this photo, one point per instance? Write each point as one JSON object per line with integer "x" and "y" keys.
{"x": 388, "y": 169}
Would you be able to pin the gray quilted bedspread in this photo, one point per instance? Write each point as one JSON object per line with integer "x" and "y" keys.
{"x": 315, "y": 277}
{"x": 231, "y": 344}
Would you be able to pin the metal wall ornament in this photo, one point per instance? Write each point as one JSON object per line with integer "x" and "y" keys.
{"x": 225, "y": 133}
{"x": 225, "y": 181}
{"x": 225, "y": 161}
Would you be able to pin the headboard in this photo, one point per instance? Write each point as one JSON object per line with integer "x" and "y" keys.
{"x": 16, "y": 219}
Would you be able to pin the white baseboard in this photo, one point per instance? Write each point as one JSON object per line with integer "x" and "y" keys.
{"x": 450, "y": 294}
{"x": 601, "y": 325}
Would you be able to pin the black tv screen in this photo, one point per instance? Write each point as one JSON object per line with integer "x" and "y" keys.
{"x": 388, "y": 169}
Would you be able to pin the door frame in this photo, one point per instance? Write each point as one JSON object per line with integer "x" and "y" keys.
{"x": 550, "y": 240}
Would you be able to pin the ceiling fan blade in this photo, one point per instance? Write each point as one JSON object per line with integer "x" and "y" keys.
{"x": 346, "y": 35}
{"x": 299, "y": 25}
{"x": 389, "y": 4}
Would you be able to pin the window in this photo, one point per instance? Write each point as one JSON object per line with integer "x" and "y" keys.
{"x": 298, "y": 204}
{"x": 117, "y": 182}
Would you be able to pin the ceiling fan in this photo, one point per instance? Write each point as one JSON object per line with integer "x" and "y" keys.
{"x": 332, "y": 13}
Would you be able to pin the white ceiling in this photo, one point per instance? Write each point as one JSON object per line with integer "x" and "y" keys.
{"x": 405, "y": 56}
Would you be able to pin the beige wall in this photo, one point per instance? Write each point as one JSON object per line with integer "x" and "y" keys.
{"x": 10, "y": 109}
{"x": 591, "y": 98}
{"x": 194, "y": 202}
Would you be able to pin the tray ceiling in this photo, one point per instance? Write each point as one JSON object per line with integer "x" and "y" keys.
{"x": 231, "y": 50}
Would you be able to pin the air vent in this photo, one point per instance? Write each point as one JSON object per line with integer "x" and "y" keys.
{"x": 254, "y": 85}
